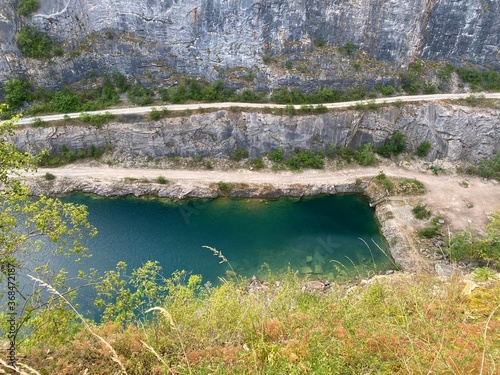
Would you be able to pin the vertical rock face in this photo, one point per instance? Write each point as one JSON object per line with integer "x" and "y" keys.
{"x": 209, "y": 38}
{"x": 463, "y": 30}
{"x": 456, "y": 133}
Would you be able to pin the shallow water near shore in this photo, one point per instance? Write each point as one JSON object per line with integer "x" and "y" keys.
{"x": 249, "y": 232}
{"x": 324, "y": 237}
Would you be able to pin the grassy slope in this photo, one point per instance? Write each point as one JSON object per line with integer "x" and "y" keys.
{"x": 400, "y": 324}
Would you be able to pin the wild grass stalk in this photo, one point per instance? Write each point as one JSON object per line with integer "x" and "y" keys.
{"x": 340, "y": 263}
{"x": 354, "y": 265}
{"x": 485, "y": 344}
{"x": 369, "y": 249}
{"x": 52, "y": 290}
{"x": 155, "y": 353}
{"x": 222, "y": 258}
{"x": 173, "y": 326}
{"x": 387, "y": 255}
{"x": 18, "y": 370}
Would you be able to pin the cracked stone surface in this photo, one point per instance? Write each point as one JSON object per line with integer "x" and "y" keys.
{"x": 156, "y": 39}
{"x": 455, "y": 133}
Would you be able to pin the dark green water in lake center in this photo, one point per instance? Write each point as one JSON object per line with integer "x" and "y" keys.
{"x": 320, "y": 236}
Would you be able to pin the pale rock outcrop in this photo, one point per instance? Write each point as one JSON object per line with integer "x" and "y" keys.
{"x": 455, "y": 133}
{"x": 156, "y": 39}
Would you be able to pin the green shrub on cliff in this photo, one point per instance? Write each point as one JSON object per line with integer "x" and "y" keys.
{"x": 35, "y": 44}
{"x": 276, "y": 155}
{"x": 365, "y": 155}
{"x": 26, "y": 7}
{"x": 224, "y": 188}
{"x": 98, "y": 120}
{"x": 385, "y": 181}
{"x": 423, "y": 149}
{"x": 411, "y": 82}
{"x": 258, "y": 163}
{"x": 433, "y": 229}
{"x": 17, "y": 92}
{"x": 120, "y": 81}
{"x": 196, "y": 90}
{"x": 66, "y": 155}
{"x": 306, "y": 159}
{"x": 485, "y": 250}
{"x": 155, "y": 115}
{"x": 394, "y": 145}
{"x": 421, "y": 211}
{"x": 140, "y": 95}
{"x": 239, "y": 154}
{"x": 66, "y": 101}
{"x": 349, "y": 48}
{"x": 488, "y": 80}
{"x": 385, "y": 90}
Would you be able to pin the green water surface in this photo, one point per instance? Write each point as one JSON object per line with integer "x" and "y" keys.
{"x": 319, "y": 236}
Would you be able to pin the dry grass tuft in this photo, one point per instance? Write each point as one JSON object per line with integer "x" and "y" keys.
{"x": 19, "y": 369}
{"x": 114, "y": 355}
{"x": 395, "y": 324}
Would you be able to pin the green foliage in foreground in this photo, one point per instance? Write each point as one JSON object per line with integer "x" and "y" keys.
{"x": 158, "y": 325}
{"x": 28, "y": 225}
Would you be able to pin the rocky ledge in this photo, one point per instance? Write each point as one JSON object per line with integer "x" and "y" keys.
{"x": 397, "y": 243}
{"x": 454, "y": 132}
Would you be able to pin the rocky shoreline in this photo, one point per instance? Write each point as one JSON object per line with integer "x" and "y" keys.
{"x": 140, "y": 188}
{"x": 462, "y": 202}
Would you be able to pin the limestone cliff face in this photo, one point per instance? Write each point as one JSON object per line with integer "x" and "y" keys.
{"x": 456, "y": 133}
{"x": 155, "y": 39}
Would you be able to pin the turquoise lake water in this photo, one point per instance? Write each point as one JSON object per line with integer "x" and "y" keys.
{"x": 318, "y": 235}
{"x": 321, "y": 237}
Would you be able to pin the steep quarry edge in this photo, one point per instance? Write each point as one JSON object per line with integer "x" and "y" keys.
{"x": 455, "y": 132}
{"x": 445, "y": 196}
